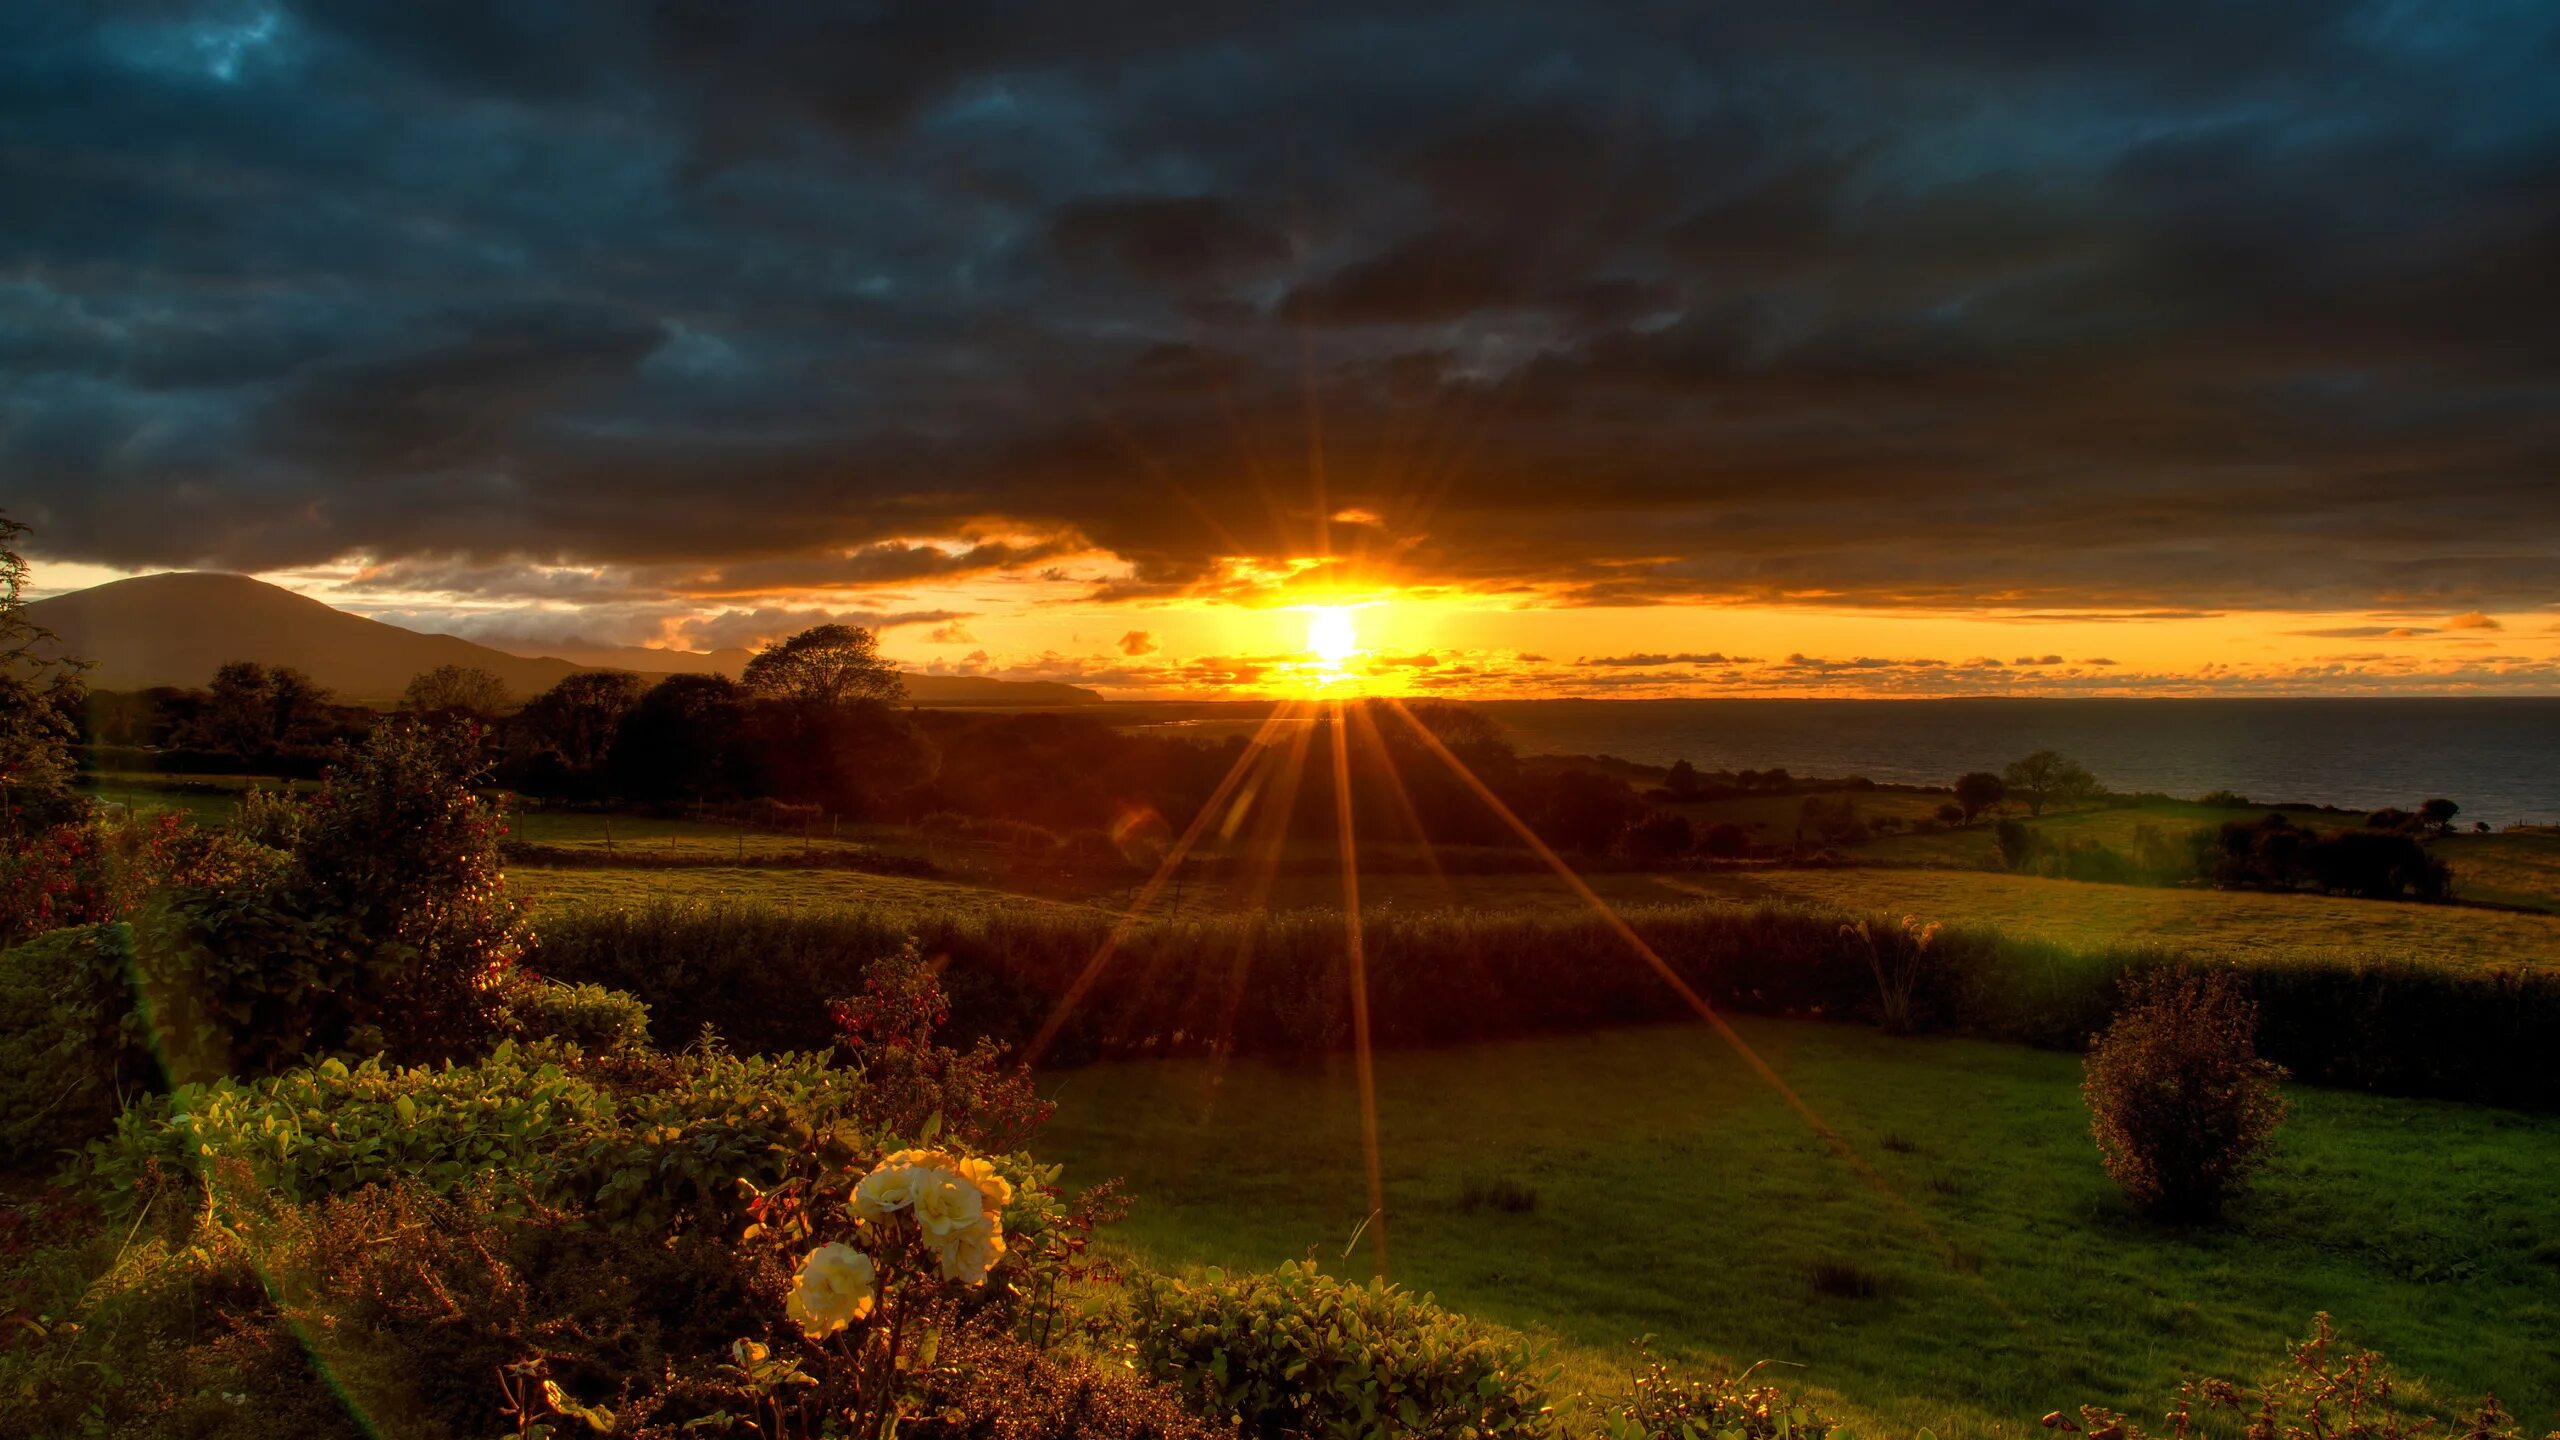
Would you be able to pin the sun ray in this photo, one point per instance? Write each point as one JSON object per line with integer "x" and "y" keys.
{"x": 1165, "y": 870}
{"x": 1363, "y": 1061}
{"x": 1839, "y": 1144}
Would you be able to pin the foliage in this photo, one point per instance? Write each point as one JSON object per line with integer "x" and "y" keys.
{"x": 661, "y": 1142}
{"x": 71, "y": 1047}
{"x": 2276, "y": 853}
{"x": 825, "y": 665}
{"x": 99, "y": 870}
{"x": 684, "y": 741}
{"x": 2047, "y": 776}
{"x": 577, "y": 719}
{"x": 995, "y": 1388}
{"x": 2323, "y": 1391}
{"x": 590, "y": 1017}
{"x": 1296, "y": 1352}
{"x": 2182, "y": 1107}
{"x": 398, "y": 844}
{"x": 456, "y": 694}
{"x": 1270, "y": 982}
{"x": 1667, "y": 1404}
{"x": 257, "y": 711}
{"x": 1895, "y": 958}
{"x": 916, "y": 1084}
{"x": 1976, "y": 792}
{"x": 40, "y": 701}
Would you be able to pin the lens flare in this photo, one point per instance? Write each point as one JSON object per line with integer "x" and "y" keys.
{"x": 1330, "y": 636}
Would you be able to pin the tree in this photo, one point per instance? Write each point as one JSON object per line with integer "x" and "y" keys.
{"x": 684, "y": 741}
{"x": 827, "y": 665}
{"x": 40, "y": 699}
{"x": 455, "y": 692}
{"x": 251, "y": 710}
{"x": 1977, "y": 792}
{"x": 2438, "y": 814}
{"x": 1684, "y": 783}
{"x": 577, "y": 718}
{"x": 2048, "y": 775}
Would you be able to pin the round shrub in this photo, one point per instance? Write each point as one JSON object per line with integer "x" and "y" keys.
{"x": 1296, "y": 1352}
{"x": 2182, "y": 1107}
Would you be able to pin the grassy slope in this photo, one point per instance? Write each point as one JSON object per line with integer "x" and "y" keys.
{"x": 2236, "y": 923}
{"x": 1678, "y": 1197}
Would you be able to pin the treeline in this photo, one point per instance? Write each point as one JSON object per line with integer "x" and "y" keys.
{"x": 2388, "y": 859}
{"x": 1276, "y": 983}
{"x": 815, "y": 722}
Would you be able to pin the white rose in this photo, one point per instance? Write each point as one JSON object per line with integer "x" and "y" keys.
{"x": 835, "y": 1287}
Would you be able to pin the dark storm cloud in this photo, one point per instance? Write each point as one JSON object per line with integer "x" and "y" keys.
{"x": 2152, "y": 308}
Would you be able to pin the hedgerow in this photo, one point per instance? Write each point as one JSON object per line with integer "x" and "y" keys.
{"x": 1277, "y": 982}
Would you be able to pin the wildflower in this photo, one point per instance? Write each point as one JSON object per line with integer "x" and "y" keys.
{"x": 835, "y": 1287}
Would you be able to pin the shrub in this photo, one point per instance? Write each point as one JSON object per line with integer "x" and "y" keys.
{"x": 590, "y": 1017}
{"x": 657, "y": 1141}
{"x": 72, "y": 1049}
{"x": 994, "y": 1388}
{"x": 2322, "y": 1390}
{"x": 2181, "y": 1105}
{"x": 1664, "y": 1404}
{"x": 912, "y": 1082}
{"x": 1295, "y": 1352}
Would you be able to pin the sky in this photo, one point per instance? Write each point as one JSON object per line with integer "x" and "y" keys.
{"x": 1990, "y": 347}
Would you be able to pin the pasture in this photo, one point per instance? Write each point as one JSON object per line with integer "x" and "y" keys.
{"x": 1992, "y": 1275}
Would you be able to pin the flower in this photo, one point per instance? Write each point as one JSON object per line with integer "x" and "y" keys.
{"x": 967, "y": 1254}
{"x": 885, "y": 1191}
{"x": 996, "y": 1190}
{"x": 835, "y": 1287}
{"x": 946, "y": 1202}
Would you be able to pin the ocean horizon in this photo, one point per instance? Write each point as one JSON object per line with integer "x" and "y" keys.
{"x": 2494, "y": 756}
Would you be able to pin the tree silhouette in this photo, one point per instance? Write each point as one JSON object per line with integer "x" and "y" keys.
{"x": 2049, "y": 775}
{"x": 455, "y": 692}
{"x": 40, "y": 698}
{"x": 828, "y": 665}
{"x": 577, "y": 718}
{"x": 1977, "y": 792}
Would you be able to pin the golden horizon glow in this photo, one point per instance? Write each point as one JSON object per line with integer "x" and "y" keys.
{"x": 1331, "y": 635}
{"x": 1290, "y": 639}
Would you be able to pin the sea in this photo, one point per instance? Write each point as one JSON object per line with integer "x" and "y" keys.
{"x": 2499, "y": 758}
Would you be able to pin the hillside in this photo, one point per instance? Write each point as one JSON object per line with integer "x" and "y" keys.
{"x": 177, "y": 628}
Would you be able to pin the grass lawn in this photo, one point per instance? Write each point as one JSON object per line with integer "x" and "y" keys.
{"x": 2226, "y": 922}
{"x": 1678, "y": 1197}
{"x": 549, "y": 889}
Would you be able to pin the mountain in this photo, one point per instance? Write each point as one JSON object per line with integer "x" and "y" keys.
{"x": 178, "y": 628}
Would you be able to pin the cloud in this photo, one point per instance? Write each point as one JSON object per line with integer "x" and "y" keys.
{"x": 954, "y": 633}
{"x": 1710, "y": 658}
{"x": 2149, "y": 315}
{"x": 1138, "y": 642}
{"x": 2472, "y": 620}
{"x": 2368, "y": 632}
{"x": 731, "y": 629}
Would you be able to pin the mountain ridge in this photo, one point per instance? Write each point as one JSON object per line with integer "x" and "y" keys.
{"x": 177, "y": 627}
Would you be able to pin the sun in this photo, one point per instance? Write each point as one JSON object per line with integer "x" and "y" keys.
{"x": 1330, "y": 637}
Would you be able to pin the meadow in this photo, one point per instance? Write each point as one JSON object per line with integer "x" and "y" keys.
{"x": 1996, "y": 1274}
{"x": 1557, "y": 1161}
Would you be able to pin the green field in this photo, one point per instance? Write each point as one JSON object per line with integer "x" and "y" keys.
{"x": 554, "y": 889}
{"x": 1676, "y": 1196}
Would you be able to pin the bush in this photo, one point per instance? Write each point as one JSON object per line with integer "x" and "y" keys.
{"x": 2322, "y": 1389}
{"x": 1664, "y": 1404}
{"x": 72, "y": 1049}
{"x": 590, "y": 1017}
{"x": 1295, "y": 1352}
{"x": 994, "y": 1388}
{"x": 656, "y": 1141}
{"x": 2181, "y": 1105}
